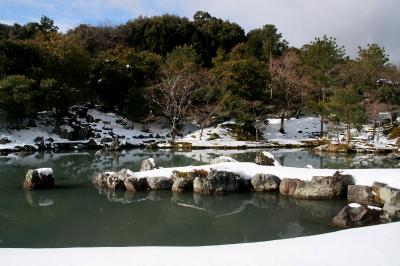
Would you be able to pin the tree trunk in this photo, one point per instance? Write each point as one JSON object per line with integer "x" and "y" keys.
{"x": 257, "y": 134}
{"x": 173, "y": 131}
{"x": 201, "y": 132}
{"x": 322, "y": 126}
{"x": 282, "y": 128}
{"x": 348, "y": 134}
{"x": 337, "y": 133}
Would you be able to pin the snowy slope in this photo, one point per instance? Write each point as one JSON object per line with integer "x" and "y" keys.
{"x": 367, "y": 246}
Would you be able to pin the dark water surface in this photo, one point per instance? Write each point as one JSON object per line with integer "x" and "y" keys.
{"x": 77, "y": 214}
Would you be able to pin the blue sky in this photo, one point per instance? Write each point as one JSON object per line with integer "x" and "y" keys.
{"x": 353, "y": 22}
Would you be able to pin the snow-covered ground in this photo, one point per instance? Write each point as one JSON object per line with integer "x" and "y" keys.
{"x": 367, "y": 246}
{"x": 248, "y": 170}
{"x": 298, "y": 133}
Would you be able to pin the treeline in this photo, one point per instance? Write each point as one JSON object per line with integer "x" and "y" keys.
{"x": 205, "y": 69}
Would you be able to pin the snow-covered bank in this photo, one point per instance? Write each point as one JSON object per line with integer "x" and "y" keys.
{"x": 85, "y": 128}
{"x": 373, "y": 245}
{"x": 366, "y": 177}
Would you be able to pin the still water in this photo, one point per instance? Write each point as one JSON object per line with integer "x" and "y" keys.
{"x": 77, "y": 214}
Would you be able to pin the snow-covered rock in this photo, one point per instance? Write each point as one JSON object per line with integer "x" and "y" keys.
{"x": 147, "y": 164}
{"x": 222, "y": 159}
{"x": 39, "y": 178}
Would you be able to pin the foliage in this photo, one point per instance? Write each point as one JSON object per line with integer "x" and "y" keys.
{"x": 265, "y": 43}
{"x": 17, "y": 95}
{"x": 346, "y": 106}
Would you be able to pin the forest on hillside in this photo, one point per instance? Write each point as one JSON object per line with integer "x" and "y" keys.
{"x": 203, "y": 69}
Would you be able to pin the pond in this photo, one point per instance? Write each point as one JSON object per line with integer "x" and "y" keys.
{"x": 77, "y": 214}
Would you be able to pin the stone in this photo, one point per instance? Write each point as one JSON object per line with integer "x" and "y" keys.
{"x": 360, "y": 194}
{"x": 198, "y": 185}
{"x": 265, "y": 158}
{"x": 289, "y": 185}
{"x": 115, "y": 182}
{"x": 357, "y": 216}
{"x": 100, "y": 179}
{"x": 391, "y": 198}
{"x": 265, "y": 182}
{"x": 5, "y": 140}
{"x": 159, "y": 183}
{"x": 222, "y": 159}
{"x": 41, "y": 178}
{"x": 325, "y": 187}
{"x": 182, "y": 185}
{"x": 147, "y": 165}
{"x": 92, "y": 144}
{"x": 136, "y": 184}
{"x": 39, "y": 141}
{"x": 90, "y": 118}
{"x": 106, "y": 139}
{"x": 217, "y": 182}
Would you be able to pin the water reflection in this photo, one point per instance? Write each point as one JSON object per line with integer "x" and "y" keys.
{"x": 39, "y": 198}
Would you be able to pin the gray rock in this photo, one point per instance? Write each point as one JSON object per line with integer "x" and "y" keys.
{"x": 41, "y": 178}
{"x": 159, "y": 183}
{"x": 115, "y": 182}
{"x": 217, "y": 182}
{"x": 360, "y": 194}
{"x": 391, "y": 199}
{"x": 182, "y": 185}
{"x": 265, "y": 182}
{"x": 325, "y": 187}
{"x": 147, "y": 165}
{"x": 262, "y": 159}
{"x": 198, "y": 185}
{"x": 288, "y": 186}
{"x": 359, "y": 216}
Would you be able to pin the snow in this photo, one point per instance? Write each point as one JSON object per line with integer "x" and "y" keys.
{"x": 357, "y": 205}
{"x": 298, "y": 133}
{"x": 45, "y": 171}
{"x": 373, "y": 245}
{"x": 269, "y": 155}
{"x": 364, "y": 177}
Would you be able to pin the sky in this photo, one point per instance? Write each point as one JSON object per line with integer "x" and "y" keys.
{"x": 352, "y": 22}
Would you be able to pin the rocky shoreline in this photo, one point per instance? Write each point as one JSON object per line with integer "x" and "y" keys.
{"x": 378, "y": 203}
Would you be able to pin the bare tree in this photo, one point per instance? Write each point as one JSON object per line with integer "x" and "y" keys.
{"x": 206, "y": 108}
{"x": 291, "y": 85}
{"x": 173, "y": 94}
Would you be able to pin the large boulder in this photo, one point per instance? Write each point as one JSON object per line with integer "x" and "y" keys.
{"x": 159, "y": 183}
{"x": 100, "y": 179}
{"x": 325, "y": 187}
{"x": 182, "y": 185}
{"x": 389, "y": 197}
{"x": 288, "y": 186}
{"x": 40, "y": 178}
{"x": 265, "y": 182}
{"x": 217, "y": 182}
{"x": 361, "y": 195}
{"x": 357, "y": 216}
{"x": 115, "y": 181}
{"x": 147, "y": 165}
{"x": 266, "y": 158}
{"x": 198, "y": 185}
